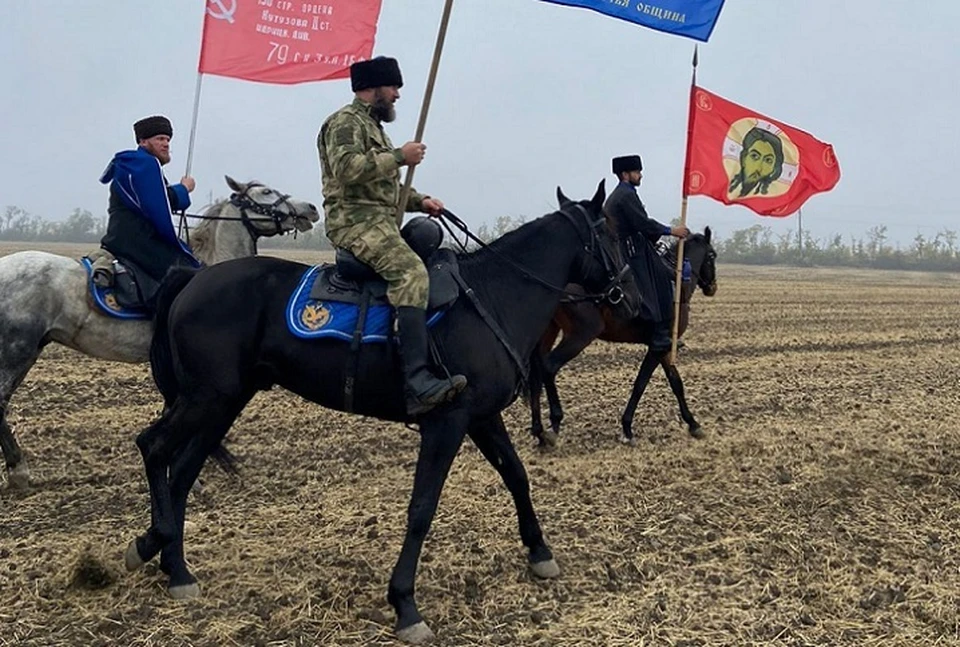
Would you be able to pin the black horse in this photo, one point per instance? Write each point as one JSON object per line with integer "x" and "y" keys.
{"x": 583, "y": 321}
{"x": 222, "y": 336}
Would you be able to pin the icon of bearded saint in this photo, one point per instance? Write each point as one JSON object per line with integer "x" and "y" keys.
{"x": 763, "y": 163}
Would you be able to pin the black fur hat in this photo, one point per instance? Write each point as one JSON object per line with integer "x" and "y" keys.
{"x": 375, "y": 73}
{"x": 151, "y": 127}
{"x": 627, "y": 163}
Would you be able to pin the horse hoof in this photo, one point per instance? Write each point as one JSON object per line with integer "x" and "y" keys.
{"x": 18, "y": 478}
{"x": 630, "y": 442}
{"x": 184, "y": 591}
{"x": 546, "y": 570}
{"x": 131, "y": 558}
{"x": 550, "y": 439}
{"x": 697, "y": 432}
{"x": 417, "y": 634}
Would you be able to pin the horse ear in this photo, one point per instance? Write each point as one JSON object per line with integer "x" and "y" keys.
{"x": 561, "y": 198}
{"x": 707, "y": 234}
{"x": 600, "y": 195}
{"x": 233, "y": 184}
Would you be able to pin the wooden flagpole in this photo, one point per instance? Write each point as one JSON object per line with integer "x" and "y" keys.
{"x": 678, "y": 279}
{"x": 193, "y": 125}
{"x": 425, "y": 107}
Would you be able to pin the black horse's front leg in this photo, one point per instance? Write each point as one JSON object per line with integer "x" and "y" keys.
{"x": 441, "y": 433}
{"x": 647, "y": 367}
{"x": 493, "y": 441}
{"x": 676, "y": 383}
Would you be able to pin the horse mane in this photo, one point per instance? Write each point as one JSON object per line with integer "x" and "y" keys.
{"x": 523, "y": 236}
{"x": 202, "y": 234}
{"x": 670, "y": 248}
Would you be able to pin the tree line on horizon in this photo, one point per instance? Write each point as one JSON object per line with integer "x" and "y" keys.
{"x": 754, "y": 245}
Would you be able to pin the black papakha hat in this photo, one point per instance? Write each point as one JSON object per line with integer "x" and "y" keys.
{"x": 152, "y": 126}
{"x": 377, "y": 72}
{"x": 626, "y": 164}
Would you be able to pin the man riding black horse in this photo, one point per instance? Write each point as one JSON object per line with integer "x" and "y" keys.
{"x": 361, "y": 189}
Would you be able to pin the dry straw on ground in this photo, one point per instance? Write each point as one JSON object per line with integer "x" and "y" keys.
{"x": 821, "y": 508}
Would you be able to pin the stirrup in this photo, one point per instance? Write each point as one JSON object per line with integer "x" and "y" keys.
{"x": 453, "y": 386}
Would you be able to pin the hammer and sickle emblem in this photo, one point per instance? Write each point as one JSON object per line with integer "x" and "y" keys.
{"x": 219, "y": 9}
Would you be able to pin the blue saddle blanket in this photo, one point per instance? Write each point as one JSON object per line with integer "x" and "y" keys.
{"x": 106, "y": 300}
{"x": 309, "y": 318}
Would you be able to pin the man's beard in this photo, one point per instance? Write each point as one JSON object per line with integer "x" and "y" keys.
{"x": 383, "y": 110}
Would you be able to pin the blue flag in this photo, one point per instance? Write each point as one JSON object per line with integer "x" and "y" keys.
{"x": 691, "y": 18}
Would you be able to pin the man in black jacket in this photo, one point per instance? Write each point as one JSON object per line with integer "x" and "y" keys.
{"x": 638, "y": 235}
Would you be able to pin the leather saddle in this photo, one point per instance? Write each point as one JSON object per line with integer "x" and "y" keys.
{"x": 122, "y": 277}
{"x": 350, "y": 280}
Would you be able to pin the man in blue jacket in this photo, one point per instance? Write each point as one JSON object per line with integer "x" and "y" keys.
{"x": 140, "y": 227}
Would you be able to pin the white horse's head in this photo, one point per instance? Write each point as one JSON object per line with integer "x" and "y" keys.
{"x": 267, "y": 212}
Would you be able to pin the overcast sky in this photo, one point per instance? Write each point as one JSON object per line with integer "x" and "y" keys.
{"x": 530, "y": 95}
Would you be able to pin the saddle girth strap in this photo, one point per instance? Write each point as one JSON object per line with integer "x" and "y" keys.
{"x": 494, "y": 326}
{"x": 354, "y": 362}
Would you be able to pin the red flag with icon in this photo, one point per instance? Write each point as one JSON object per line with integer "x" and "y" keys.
{"x": 286, "y": 41}
{"x": 738, "y": 156}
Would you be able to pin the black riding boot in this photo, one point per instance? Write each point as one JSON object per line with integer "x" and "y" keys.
{"x": 423, "y": 389}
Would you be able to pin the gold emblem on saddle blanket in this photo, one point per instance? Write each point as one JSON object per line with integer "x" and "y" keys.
{"x": 111, "y": 301}
{"x": 314, "y": 315}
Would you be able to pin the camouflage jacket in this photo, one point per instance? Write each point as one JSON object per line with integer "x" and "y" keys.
{"x": 360, "y": 171}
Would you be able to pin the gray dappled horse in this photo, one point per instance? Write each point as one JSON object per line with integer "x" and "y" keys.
{"x": 46, "y": 298}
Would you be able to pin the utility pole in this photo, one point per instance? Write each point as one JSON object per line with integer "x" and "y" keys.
{"x": 800, "y": 232}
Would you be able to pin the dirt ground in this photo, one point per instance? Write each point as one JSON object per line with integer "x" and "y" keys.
{"x": 821, "y": 508}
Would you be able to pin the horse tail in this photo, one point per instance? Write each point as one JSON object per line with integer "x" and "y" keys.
{"x": 161, "y": 357}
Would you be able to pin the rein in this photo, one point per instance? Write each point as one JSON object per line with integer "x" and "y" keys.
{"x": 243, "y": 203}
{"x": 612, "y": 293}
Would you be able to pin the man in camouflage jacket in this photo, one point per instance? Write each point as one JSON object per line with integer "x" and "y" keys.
{"x": 360, "y": 171}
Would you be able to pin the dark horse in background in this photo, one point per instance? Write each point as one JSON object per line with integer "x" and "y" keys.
{"x": 583, "y": 321}
{"x": 222, "y": 336}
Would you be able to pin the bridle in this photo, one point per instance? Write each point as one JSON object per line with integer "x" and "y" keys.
{"x": 270, "y": 212}
{"x": 612, "y": 293}
{"x": 707, "y": 288}
{"x": 244, "y": 203}
{"x": 710, "y": 256}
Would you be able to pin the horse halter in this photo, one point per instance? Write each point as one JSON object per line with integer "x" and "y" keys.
{"x": 613, "y": 292}
{"x": 244, "y": 203}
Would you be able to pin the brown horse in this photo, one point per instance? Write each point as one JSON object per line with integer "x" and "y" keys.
{"x": 583, "y": 321}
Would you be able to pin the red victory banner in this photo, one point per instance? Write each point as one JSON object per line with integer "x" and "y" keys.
{"x": 286, "y": 41}
{"x": 738, "y": 156}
